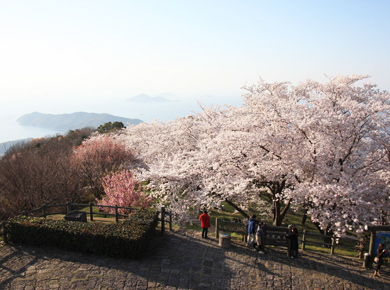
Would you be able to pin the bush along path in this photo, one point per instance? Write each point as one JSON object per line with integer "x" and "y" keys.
{"x": 182, "y": 260}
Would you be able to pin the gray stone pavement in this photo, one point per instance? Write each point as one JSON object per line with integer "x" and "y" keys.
{"x": 183, "y": 260}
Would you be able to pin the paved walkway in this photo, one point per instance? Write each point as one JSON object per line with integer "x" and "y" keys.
{"x": 182, "y": 260}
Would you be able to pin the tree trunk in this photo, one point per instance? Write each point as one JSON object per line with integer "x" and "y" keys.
{"x": 276, "y": 190}
{"x": 277, "y": 218}
{"x": 304, "y": 217}
{"x": 243, "y": 213}
{"x": 326, "y": 239}
{"x": 285, "y": 210}
{"x": 303, "y": 220}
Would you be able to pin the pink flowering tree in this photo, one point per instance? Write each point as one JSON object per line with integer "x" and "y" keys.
{"x": 97, "y": 156}
{"x": 122, "y": 189}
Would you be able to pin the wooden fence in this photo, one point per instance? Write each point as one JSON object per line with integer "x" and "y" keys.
{"x": 276, "y": 236}
{"x": 163, "y": 220}
{"x": 332, "y": 242}
{"x": 234, "y": 227}
{"x": 47, "y": 210}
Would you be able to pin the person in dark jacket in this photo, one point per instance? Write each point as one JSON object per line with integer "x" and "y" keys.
{"x": 380, "y": 253}
{"x": 293, "y": 237}
{"x": 251, "y": 230}
{"x": 205, "y": 223}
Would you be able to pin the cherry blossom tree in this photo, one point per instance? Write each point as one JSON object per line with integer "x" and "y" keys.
{"x": 347, "y": 187}
{"x": 320, "y": 146}
{"x": 121, "y": 188}
{"x": 183, "y": 170}
{"x": 97, "y": 156}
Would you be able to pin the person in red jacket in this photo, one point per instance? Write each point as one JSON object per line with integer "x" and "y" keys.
{"x": 205, "y": 223}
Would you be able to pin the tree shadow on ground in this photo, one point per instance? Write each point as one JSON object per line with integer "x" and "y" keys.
{"x": 12, "y": 264}
{"x": 175, "y": 260}
{"x": 315, "y": 263}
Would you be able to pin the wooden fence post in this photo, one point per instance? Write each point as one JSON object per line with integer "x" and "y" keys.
{"x": 371, "y": 250}
{"x": 361, "y": 246}
{"x": 303, "y": 240}
{"x": 333, "y": 245}
{"x": 170, "y": 221}
{"x": 162, "y": 220}
{"x": 289, "y": 242}
{"x": 216, "y": 228}
{"x": 116, "y": 214}
{"x": 91, "y": 211}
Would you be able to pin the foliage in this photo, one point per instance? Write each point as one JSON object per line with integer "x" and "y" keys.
{"x": 39, "y": 172}
{"x": 323, "y": 147}
{"x": 122, "y": 189}
{"x": 97, "y": 156}
{"x": 110, "y": 127}
{"x": 126, "y": 239}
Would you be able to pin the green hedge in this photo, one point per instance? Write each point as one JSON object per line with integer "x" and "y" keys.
{"x": 129, "y": 238}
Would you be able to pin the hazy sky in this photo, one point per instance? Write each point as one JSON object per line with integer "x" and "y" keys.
{"x": 82, "y": 49}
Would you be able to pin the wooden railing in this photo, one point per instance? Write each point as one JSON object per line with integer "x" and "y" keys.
{"x": 333, "y": 242}
{"x": 233, "y": 227}
{"x": 45, "y": 211}
{"x": 70, "y": 206}
{"x": 274, "y": 235}
{"x": 163, "y": 220}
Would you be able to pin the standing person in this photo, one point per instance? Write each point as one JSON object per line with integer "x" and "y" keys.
{"x": 260, "y": 237}
{"x": 205, "y": 223}
{"x": 379, "y": 254}
{"x": 251, "y": 230}
{"x": 293, "y": 237}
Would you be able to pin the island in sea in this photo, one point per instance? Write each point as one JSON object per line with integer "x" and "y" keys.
{"x": 73, "y": 121}
{"x": 63, "y": 123}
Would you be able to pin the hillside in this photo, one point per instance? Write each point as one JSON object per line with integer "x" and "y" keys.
{"x": 6, "y": 145}
{"x": 66, "y": 122}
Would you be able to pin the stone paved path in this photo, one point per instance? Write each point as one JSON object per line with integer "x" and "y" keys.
{"x": 182, "y": 260}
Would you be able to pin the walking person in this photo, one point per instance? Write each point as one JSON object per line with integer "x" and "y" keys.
{"x": 379, "y": 258}
{"x": 260, "y": 237}
{"x": 293, "y": 237}
{"x": 251, "y": 230}
{"x": 205, "y": 223}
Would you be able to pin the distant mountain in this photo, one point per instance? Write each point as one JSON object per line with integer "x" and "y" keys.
{"x": 66, "y": 122}
{"x": 143, "y": 98}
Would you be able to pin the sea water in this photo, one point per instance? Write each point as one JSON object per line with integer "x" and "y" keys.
{"x": 11, "y": 130}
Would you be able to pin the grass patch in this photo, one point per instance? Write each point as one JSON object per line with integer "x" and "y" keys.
{"x": 194, "y": 227}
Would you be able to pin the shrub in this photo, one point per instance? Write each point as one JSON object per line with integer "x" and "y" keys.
{"x": 129, "y": 238}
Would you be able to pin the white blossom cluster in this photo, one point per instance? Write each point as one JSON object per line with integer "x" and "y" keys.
{"x": 324, "y": 147}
